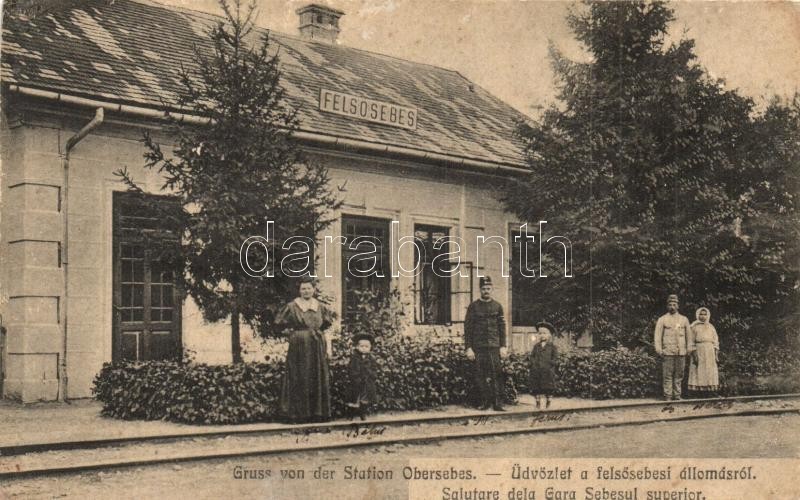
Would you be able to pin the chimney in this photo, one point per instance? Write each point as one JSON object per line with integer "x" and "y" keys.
{"x": 318, "y": 22}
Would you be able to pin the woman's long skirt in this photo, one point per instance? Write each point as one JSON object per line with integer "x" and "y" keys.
{"x": 704, "y": 376}
{"x": 305, "y": 390}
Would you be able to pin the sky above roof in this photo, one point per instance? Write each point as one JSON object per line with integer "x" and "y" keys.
{"x": 502, "y": 45}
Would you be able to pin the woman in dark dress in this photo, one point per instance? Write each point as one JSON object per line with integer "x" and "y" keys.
{"x": 543, "y": 359}
{"x": 305, "y": 393}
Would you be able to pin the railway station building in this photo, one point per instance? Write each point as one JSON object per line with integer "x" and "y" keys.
{"x": 79, "y": 284}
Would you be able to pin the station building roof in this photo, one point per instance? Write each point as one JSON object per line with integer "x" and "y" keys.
{"x": 131, "y": 51}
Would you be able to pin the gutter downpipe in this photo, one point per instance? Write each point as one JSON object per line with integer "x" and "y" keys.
{"x": 71, "y": 143}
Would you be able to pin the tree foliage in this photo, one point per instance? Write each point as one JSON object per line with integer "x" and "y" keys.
{"x": 237, "y": 173}
{"x": 665, "y": 181}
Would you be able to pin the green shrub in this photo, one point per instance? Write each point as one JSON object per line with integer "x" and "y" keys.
{"x": 573, "y": 375}
{"x": 192, "y": 393}
{"x": 614, "y": 373}
{"x": 380, "y": 314}
{"x": 414, "y": 374}
{"x": 748, "y": 357}
{"x": 515, "y": 372}
{"x": 747, "y": 367}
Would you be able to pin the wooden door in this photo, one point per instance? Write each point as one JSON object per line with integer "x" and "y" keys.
{"x": 146, "y": 302}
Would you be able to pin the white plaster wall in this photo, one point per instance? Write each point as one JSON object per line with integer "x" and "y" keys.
{"x": 376, "y": 188}
{"x": 467, "y": 204}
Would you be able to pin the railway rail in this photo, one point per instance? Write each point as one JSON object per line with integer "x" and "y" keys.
{"x": 42, "y": 459}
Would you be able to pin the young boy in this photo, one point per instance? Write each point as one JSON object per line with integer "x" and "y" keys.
{"x": 363, "y": 372}
{"x": 543, "y": 358}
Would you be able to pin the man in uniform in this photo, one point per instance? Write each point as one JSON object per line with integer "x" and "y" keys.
{"x": 671, "y": 339}
{"x": 485, "y": 341}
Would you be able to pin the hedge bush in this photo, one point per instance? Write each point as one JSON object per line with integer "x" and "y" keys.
{"x": 414, "y": 374}
{"x": 747, "y": 367}
{"x": 190, "y": 393}
{"x": 411, "y": 375}
{"x": 614, "y": 373}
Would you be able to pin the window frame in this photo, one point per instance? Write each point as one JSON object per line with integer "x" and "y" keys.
{"x": 444, "y": 317}
{"x": 514, "y": 278}
{"x": 363, "y": 221}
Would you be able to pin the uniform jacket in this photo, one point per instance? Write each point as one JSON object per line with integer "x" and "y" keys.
{"x": 484, "y": 325}
{"x": 672, "y": 334}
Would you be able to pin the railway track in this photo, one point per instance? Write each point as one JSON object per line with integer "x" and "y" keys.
{"x": 42, "y": 459}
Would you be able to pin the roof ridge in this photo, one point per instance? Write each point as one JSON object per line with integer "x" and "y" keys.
{"x": 389, "y": 56}
{"x": 298, "y": 37}
{"x": 491, "y": 96}
{"x": 177, "y": 8}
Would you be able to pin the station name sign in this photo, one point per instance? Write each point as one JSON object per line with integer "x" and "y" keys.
{"x": 367, "y": 109}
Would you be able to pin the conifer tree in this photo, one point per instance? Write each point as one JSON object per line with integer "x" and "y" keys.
{"x": 237, "y": 173}
{"x": 656, "y": 172}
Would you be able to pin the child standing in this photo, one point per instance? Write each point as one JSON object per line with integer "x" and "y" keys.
{"x": 363, "y": 372}
{"x": 543, "y": 358}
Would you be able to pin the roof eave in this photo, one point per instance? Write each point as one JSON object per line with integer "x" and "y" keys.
{"x": 315, "y": 138}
